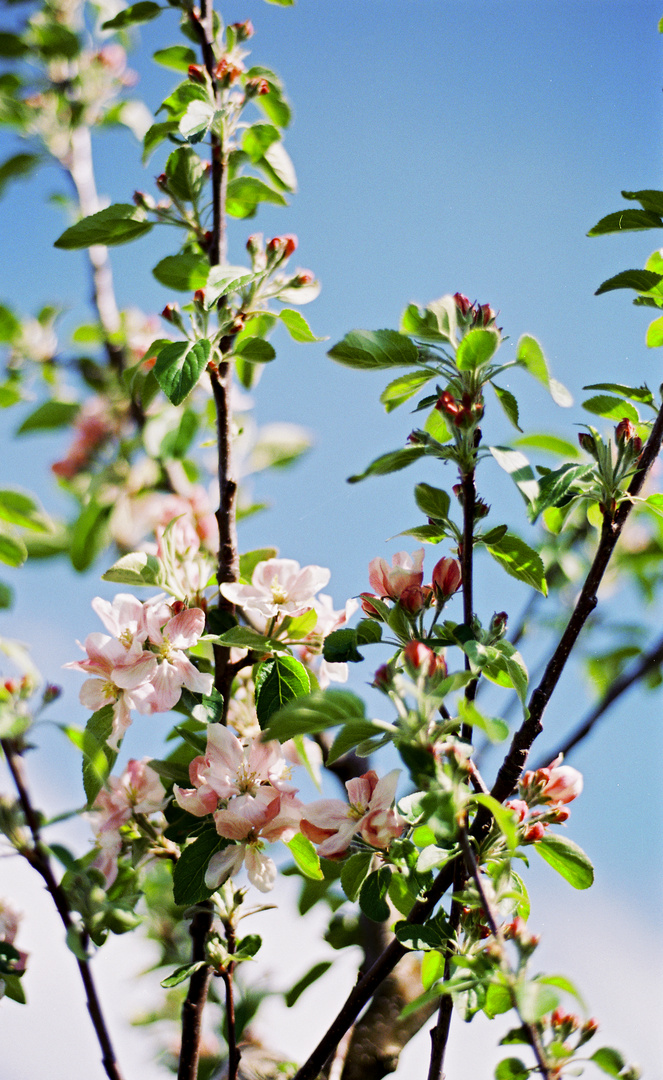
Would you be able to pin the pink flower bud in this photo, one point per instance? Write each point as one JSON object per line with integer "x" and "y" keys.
{"x": 561, "y": 783}
{"x": 463, "y": 305}
{"x": 256, "y": 86}
{"x": 420, "y": 658}
{"x": 367, "y": 607}
{"x": 447, "y": 578}
{"x": 383, "y": 677}
{"x": 304, "y": 277}
{"x": 446, "y": 403}
{"x": 414, "y": 599}
{"x": 535, "y": 831}
{"x": 243, "y": 30}
{"x": 196, "y": 73}
{"x": 519, "y": 806}
{"x": 404, "y": 572}
{"x": 624, "y": 431}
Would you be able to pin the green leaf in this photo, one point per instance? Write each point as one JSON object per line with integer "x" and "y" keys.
{"x": 654, "y": 336}
{"x": 6, "y": 596}
{"x": 315, "y": 712}
{"x": 640, "y": 280}
{"x": 319, "y": 969}
{"x": 17, "y": 166}
{"x": 391, "y": 462}
{"x": 244, "y": 637}
{"x": 306, "y": 857}
{"x": 402, "y": 388}
{"x": 355, "y": 732}
{"x": 117, "y": 224}
{"x": 419, "y": 938}
{"x": 550, "y": 444}
{"x": 530, "y": 355}
{"x": 437, "y": 322}
{"x": 519, "y": 469}
{"x": 505, "y": 819}
{"x": 375, "y": 349}
{"x": 432, "y": 968}
{"x": 279, "y": 681}
{"x": 130, "y": 16}
{"x": 89, "y": 535}
{"x": 155, "y": 135}
{"x": 512, "y": 1069}
{"x": 176, "y": 57}
{"x": 535, "y": 1000}
{"x": 554, "y": 486}
{"x": 189, "y": 872}
{"x": 197, "y": 120}
{"x": 224, "y": 280}
{"x": 257, "y": 138}
{"x": 255, "y": 350}
{"x": 649, "y": 200}
{"x": 20, "y": 509}
{"x": 278, "y": 167}
{"x": 181, "y": 974}
{"x": 354, "y": 872}
{"x": 12, "y": 46}
{"x": 186, "y": 272}
{"x": 498, "y": 1000}
{"x": 297, "y": 326}
{"x": 50, "y": 415}
{"x": 567, "y": 859}
{"x": 245, "y": 193}
{"x": 138, "y": 568}
{"x": 179, "y": 366}
{"x": 98, "y": 758}
{"x": 10, "y": 326}
{"x": 624, "y": 220}
{"x": 372, "y": 895}
{"x": 432, "y": 501}
{"x": 509, "y": 404}
{"x": 493, "y": 727}
{"x": 608, "y": 1060}
{"x": 520, "y": 561}
{"x": 476, "y": 349}
{"x": 637, "y": 393}
{"x": 611, "y": 408}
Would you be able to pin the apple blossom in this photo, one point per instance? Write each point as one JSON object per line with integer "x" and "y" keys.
{"x": 278, "y": 587}
{"x": 231, "y": 770}
{"x": 404, "y": 572}
{"x": 554, "y": 784}
{"x": 332, "y": 824}
{"x": 251, "y": 825}
{"x": 137, "y": 791}
{"x": 328, "y": 621}
{"x": 447, "y": 578}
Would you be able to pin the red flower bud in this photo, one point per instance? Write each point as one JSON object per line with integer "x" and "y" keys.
{"x": 535, "y": 831}
{"x": 447, "y": 403}
{"x": 196, "y": 73}
{"x": 243, "y": 30}
{"x": 587, "y": 442}
{"x": 170, "y": 312}
{"x": 283, "y": 245}
{"x": 304, "y": 277}
{"x": 383, "y": 677}
{"x": 414, "y": 599}
{"x": 199, "y": 296}
{"x": 367, "y": 607}
{"x": 447, "y": 578}
{"x": 419, "y": 658}
{"x": 256, "y": 86}
{"x": 462, "y": 304}
{"x": 624, "y": 431}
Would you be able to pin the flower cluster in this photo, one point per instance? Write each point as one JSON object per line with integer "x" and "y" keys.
{"x": 403, "y": 582}
{"x": 137, "y": 791}
{"x": 548, "y": 791}
{"x": 245, "y": 785}
{"x": 10, "y": 920}
{"x": 143, "y": 665}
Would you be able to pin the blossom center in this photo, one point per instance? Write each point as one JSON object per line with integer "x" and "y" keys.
{"x": 279, "y": 594}
{"x": 127, "y": 638}
{"x": 166, "y": 650}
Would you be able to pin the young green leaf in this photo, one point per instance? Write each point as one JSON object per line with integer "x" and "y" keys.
{"x": 50, "y": 415}
{"x": 179, "y": 366}
{"x": 640, "y": 280}
{"x": 189, "y": 873}
{"x": 375, "y": 349}
{"x": 315, "y": 712}
{"x": 567, "y": 859}
{"x": 292, "y": 995}
{"x": 372, "y": 895}
{"x": 246, "y": 192}
{"x": 625, "y": 220}
{"x": 391, "y": 462}
{"x": 141, "y": 12}
{"x": 305, "y": 856}
{"x": 432, "y": 501}
{"x": 297, "y": 326}
{"x": 279, "y": 681}
{"x": 403, "y": 387}
{"x": 176, "y": 57}
{"x": 138, "y": 568}
{"x": 608, "y": 1060}
{"x": 476, "y": 349}
{"x": 508, "y": 403}
{"x": 117, "y": 224}
{"x": 354, "y": 872}
{"x": 186, "y": 272}
{"x": 520, "y": 561}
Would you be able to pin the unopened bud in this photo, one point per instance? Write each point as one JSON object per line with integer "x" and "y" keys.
{"x": 587, "y": 442}
{"x": 535, "y": 831}
{"x": 447, "y": 579}
{"x": 196, "y": 73}
{"x": 170, "y": 313}
{"x": 367, "y": 607}
{"x": 243, "y": 30}
{"x": 463, "y": 305}
{"x": 624, "y": 431}
{"x": 383, "y": 678}
{"x": 256, "y": 86}
{"x": 498, "y": 624}
{"x": 304, "y": 277}
{"x": 51, "y": 693}
{"x": 420, "y": 659}
{"x": 199, "y": 297}
{"x": 282, "y": 245}
{"x": 143, "y": 200}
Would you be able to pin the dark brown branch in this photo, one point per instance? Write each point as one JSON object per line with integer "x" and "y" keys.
{"x": 514, "y": 762}
{"x": 38, "y": 858}
{"x": 649, "y": 661}
{"x": 234, "y": 1054}
{"x": 192, "y": 1009}
{"x": 440, "y": 1033}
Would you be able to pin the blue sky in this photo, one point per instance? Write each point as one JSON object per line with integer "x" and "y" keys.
{"x": 439, "y": 147}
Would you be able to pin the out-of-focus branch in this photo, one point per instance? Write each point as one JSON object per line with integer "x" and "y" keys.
{"x": 521, "y": 744}
{"x": 649, "y": 661}
{"x": 38, "y": 857}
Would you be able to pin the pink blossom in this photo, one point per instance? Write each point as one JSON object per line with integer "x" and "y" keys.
{"x": 231, "y": 770}
{"x": 276, "y": 818}
{"x": 555, "y": 784}
{"x": 93, "y": 426}
{"x": 137, "y": 791}
{"x": 328, "y": 621}
{"x": 10, "y": 920}
{"x": 391, "y": 581}
{"x": 447, "y": 578}
{"x": 278, "y": 587}
{"x": 174, "y": 670}
{"x": 332, "y": 824}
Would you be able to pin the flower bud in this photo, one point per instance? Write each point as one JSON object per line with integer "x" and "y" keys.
{"x": 146, "y": 202}
{"x": 519, "y": 807}
{"x": 51, "y": 693}
{"x": 587, "y": 442}
{"x": 243, "y": 30}
{"x": 256, "y": 86}
{"x": 282, "y": 245}
{"x": 414, "y": 599}
{"x": 367, "y": 607}
{"x": 383, "y": 678}
{"x": 199, "y": 297}
{"x": 420, "y": 659}
{"x": 498, "y": 625}
{"x": 463, "y": 305}
{"x": 447, "y": 403}
{"x": 171, "y": 313}
{"x": 535, "y": 831}
{"x": 196, "y": 73}
{"x": 624, "y": 431}
{"x": 304, "y": 277}
{"x": 254, "y": 244}
{"x": 447, "y": 579}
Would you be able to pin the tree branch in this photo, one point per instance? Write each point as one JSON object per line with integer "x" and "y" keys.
{"x": 38, "y": 858}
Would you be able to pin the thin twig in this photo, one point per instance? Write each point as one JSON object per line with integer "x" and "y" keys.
{"x": 440, "y": 1033}
{"x": 192, "y": 1009}
{"x": 234, "y": 1054}
{"x": 649, "y": 661}
{"x": 38, "y": 858}
{"x": 514, "y": 762}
